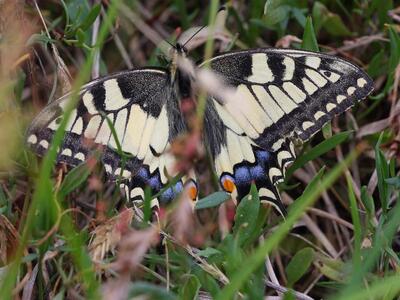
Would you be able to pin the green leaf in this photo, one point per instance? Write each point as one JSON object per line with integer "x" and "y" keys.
{"x": 253, "y": 30}
{"x": 275, "y": 11}
{"x": 183, "y": 13}
{"x": 260, "y": 222}
{"x": 319, "y": 13}
{"x": 30, "y": 257}
{"x": 147, "y": 212}
{"x": 208, "y": 252}
{"x": 232, "y": 253}
{"x": 40, "y": 38}
{"x": 327, "y": 130}
{"x": 334, "y": 25}
{"x": 392, "y": 167}
{"x": 76, "y": 10}
{"x": 394, "y": 58}
{"x": 19, "y": 85}
{"x": 150, "y": 291}
{"x": 382, "y": 171}
{"x": 74, "y": 179}
{"x": 212, "y": 200}
{"x": 368, "y": 201}
{"x": 3, "y": 199}
{"x": 80, "y": 36}
{"x": 255, "y": 287}
{"x": 289, "y": 295}
{"x": 309, "y": 38}
{"x": 190, "y": 288}
{"x": 318, "y": 150}
{"x": 376, "y": 66}
{"x": 246, "y": 215}
{"x": 90, "y": 17}
{"x": 356, "y": 222}
{"x": 394, "y": 181}
{"x": 381, "y": 7}
{"x": 208, "y": 283}
{"x": 3, "y": 273}
{"x": 299, "y": 16}
{"x": 299, "y": 265}
{"x": 332, "y": 269}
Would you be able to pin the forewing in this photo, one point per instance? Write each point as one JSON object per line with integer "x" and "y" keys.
{"x": 143, "y": 109}
{"x": 285, "y": 92}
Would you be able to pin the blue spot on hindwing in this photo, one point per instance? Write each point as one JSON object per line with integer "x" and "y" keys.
{"x": 257, "y": 172}
{"x": 245, "y": 173}
{"x": 242, "y": 175}
{"x": 154, "y": 182}
{"x": 171, "y": 193}
{"x": 262, "y": 155}
{"x": 143, "y": 173}
{"x": 178, "y": 187}
{"x": 167, "y": 195}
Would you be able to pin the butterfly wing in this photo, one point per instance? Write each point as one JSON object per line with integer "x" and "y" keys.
{"x": 143, "y": 109}
{"x": 239, "y": 161}
{"x": 280, "y": 94}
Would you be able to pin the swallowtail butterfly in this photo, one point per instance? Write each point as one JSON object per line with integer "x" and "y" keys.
{"x": 281, "y": 94}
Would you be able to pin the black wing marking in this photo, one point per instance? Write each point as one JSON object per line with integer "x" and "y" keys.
{"x": 143, "y": 108}
{"x": 281, "y": 94}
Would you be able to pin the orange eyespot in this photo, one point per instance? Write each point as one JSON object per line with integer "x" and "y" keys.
{"x": 192, "y": 191}
{"x": 228, "y": 185}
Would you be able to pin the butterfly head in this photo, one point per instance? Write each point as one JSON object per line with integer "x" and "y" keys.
{"x": 181, "y": 49}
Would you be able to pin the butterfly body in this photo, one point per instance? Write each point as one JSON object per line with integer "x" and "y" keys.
{"x": 278, "y": 95}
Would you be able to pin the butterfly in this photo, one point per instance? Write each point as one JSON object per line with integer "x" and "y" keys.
{"x": 280, "y": 95}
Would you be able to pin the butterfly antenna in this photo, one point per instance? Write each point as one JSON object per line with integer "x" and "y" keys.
{"x": 222, "y": 8}
{"x": 173, "y": 46}
{"x": 204, "y": 26}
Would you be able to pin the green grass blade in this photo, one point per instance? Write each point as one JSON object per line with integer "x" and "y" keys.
{"x": 357, "y": 224}
{"x": 383, "y": 235}
{"x": 318, "y": 150}
{"x": 149, "y": 291}
{"x": 376, "y": 290}
{"x": 246, "y": 216}
{"x": 212, "y": 200}
{"x": 310, "y": 43}
{"x": 310, "y": 195}
{"x": 184, "y": 19}
{"x": 382, "y": 171}
{"x": 309, "y": 38}
{"x": 208, "y": 52}
{"x": 43, "y": 186}
{"x": 74, "y": 179}
{"x": 299, "y": 265}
